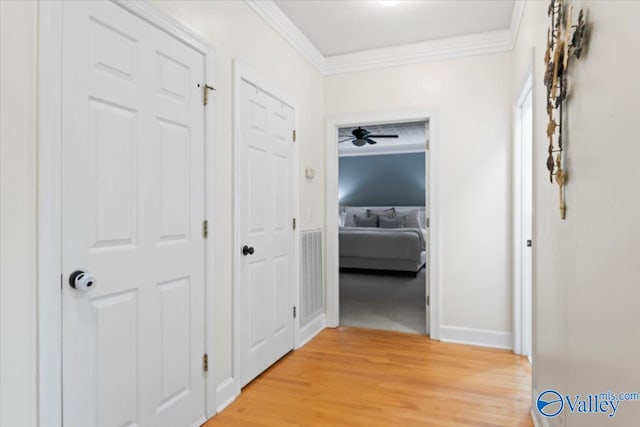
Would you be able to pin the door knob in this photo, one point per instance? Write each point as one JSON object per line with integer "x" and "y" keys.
{"x": 82, "y": 281}
{"x": 247, "y": 250}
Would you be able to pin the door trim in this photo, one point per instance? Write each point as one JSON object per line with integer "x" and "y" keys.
{"x": 331, "y": 196}
{"x": 242, "y": 71}
{"x": 518, "y": 301}
{"x": 49, "y": 160}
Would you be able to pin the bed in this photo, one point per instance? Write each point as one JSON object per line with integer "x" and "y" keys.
{"x": 372, "y": 247}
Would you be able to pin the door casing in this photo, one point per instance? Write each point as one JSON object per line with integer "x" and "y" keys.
{"x": 332, "y": 269}
{"x": 519, "y": 299}
{"x": 49, "y": 238}
{"x": 242, "y": 71}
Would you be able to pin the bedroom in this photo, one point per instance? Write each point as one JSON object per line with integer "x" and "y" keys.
{"x": 383, "y": 226}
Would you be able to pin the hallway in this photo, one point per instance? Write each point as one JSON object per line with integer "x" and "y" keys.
{"x": 360, "y": 377}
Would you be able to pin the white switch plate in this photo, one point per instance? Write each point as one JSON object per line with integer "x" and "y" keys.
{"x": 309, "y": 173}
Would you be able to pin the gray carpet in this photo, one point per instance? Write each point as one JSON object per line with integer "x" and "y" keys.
{"x": 393, "y": 301}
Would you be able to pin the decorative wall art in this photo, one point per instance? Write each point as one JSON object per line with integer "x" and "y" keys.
{"x": 564, "y": 41}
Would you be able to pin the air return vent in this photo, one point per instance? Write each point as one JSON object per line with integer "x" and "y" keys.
{"x": 311, "y": 289}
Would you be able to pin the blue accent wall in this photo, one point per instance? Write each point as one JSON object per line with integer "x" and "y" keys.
{"x": 382, "y": 180}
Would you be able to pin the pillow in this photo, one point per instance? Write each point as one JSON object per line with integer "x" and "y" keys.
{"x": 399, "y": 222}
{"x": 360, "y": 221}
{"x": 350, "y": 212}
{"x": 412, "y": 219}
{"x": 389, "y": 213}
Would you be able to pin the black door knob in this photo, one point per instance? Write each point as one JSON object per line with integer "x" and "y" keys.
{"x": 247, "y": 250}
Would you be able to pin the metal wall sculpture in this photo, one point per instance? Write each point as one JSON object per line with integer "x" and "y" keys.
{"x": 564, "y": 42}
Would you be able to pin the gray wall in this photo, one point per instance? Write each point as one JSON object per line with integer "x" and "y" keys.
{"x": 382, "y": 180}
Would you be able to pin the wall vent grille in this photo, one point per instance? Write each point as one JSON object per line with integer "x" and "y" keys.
{"x": 311, "y": 283}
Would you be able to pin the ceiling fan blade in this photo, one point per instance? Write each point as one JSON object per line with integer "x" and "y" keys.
{"x": 359, "y": 142}
{"x": 382, "y": 136}
{"x": 344, "y": 140}
{"x": 370, "y": 141}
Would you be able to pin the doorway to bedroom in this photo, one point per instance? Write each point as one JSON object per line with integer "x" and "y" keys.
{"x": 383, "y": 226}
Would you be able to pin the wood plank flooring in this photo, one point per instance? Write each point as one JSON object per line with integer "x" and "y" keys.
{"x": 360, "y": 377}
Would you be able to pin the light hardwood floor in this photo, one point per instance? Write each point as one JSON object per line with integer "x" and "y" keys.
{"x": 360, "y": 377}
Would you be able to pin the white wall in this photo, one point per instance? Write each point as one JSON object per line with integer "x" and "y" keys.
{"x": 586, "y": 270}
{"x": 17, "y": 214}
{"x": 474, "y": 202}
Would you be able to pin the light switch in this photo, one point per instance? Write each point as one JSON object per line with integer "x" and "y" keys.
{"x": 309, "y": 173}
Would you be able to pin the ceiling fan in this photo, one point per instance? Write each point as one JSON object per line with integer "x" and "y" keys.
{"x": 362, "y": 136}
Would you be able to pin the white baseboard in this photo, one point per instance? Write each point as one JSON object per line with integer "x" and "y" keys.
{"x": 480, "y": 337}
{"x": 225, "y": 394}
{"x": 538, "y": 420}
{"x": 313, "y": 328}
{"x": 200, "y": 422}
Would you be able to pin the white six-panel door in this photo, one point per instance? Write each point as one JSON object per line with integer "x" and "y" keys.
{"x": 133, "y": 206}
{"x": 266, "y": 213}
{"x": 527, "y": 223}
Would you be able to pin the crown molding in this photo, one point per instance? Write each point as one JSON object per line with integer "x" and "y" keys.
{"x": 432, "y": 50}
{"x": 516, "y": 19}
{"x": 276, "y": 18}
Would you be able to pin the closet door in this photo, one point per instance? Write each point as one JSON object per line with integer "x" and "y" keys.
{"x": 267, "y": 245}
{"x": 133, "y": 203}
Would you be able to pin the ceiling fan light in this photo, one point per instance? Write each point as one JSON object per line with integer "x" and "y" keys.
{"x": 359, "y": 142}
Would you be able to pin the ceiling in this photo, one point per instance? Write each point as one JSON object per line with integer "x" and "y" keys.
{"x": 347, "y": 26}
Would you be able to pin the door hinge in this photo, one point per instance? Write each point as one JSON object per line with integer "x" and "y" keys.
{"x": 205, "y": 228}
{"x": 294, "y": 223}
{"x": 294, "y": 136}
{"x": 428, "y": 300}
{"x": 294, "y": 311}
{"x": 205, "y": 363}
{"x": 428, "y": 223}
{"x": 205, "y": 93}
{"x": 427, "y": 144}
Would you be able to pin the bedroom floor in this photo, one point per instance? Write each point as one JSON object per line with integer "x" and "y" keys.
{"x": 392, "y": 301}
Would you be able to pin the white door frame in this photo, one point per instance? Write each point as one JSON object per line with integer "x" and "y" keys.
{"x": 518, "y": 255}
{"x": 242, "y": 71}
{"x": 49, "y": 154}
{"x": 334, "y": 122}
